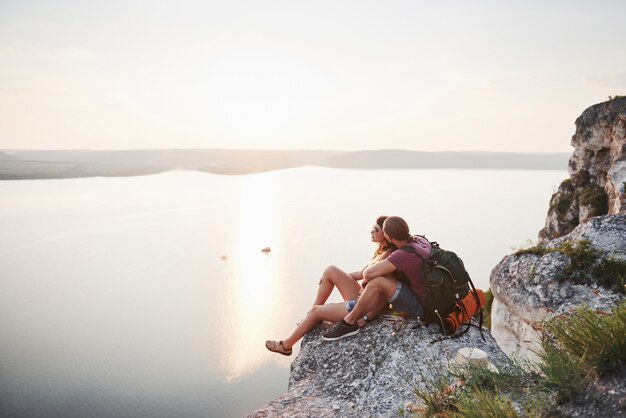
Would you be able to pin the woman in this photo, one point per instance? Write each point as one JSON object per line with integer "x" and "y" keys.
{"x": 348, "y": 286}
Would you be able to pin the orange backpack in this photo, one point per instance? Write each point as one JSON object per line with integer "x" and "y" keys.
{"x": 463, "y": 311}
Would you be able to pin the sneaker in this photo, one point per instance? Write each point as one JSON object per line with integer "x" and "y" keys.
{"x": 341, "y": 330}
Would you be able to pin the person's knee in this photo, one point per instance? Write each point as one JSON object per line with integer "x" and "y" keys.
{"x": 383, "y": 285}
{"x": 376, "y": 284}
{"x": 315, "y": 311}
{"x": 330, "y": 270}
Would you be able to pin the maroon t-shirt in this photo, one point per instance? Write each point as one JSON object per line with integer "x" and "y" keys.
{"x": 411, "y": 265}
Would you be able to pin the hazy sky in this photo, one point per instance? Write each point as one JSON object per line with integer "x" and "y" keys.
{"x": 421, "y": 75}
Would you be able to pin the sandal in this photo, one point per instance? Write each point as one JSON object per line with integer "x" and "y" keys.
{"x": 278, "y": 347}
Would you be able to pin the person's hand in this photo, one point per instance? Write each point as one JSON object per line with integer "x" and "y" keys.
{"x": 364, "y": 283}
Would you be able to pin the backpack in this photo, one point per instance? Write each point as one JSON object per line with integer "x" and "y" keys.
{"x": 451, "y": 298}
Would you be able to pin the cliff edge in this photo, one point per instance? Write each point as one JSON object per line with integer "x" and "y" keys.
{"x": 585, "y": 267}
{"x": 581, "y": 255}
{"x": 373, "y": 373}
{"x": 597, "y": 182}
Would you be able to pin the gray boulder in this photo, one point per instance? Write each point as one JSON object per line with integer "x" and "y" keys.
{"x": 372, "y": 373}
{"x": 531, "y": 288}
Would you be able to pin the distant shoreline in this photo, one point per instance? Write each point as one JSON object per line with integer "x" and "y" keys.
{"x": 45, "y": 164}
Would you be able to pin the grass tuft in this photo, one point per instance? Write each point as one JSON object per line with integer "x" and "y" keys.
{"x": 481, "y": 377}
{"x": 595, "y": 338}
{"x": 480, "y": 403}
{"x": 436, "y": 395}
{"x": 563, "y": 372}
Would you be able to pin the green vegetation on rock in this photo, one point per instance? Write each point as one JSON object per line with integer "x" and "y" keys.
{"x": 576, "y": 350}
{"x": 569, "y": 198}
{"x": 595, "y": 339}
{"x": 561, "y": 202}
{"x": 587, "y": 264}
{"x": 595, "y": 198}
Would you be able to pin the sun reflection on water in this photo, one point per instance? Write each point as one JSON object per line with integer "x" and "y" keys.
{"x": 253, "y": 282}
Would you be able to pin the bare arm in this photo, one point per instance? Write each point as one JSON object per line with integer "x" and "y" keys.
{"x": 379, "y": 269}
{"x": 358, "y": 275}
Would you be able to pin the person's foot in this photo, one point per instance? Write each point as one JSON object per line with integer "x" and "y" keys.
{"x": 341, "y": 330}
{"x": 278, "y": 347}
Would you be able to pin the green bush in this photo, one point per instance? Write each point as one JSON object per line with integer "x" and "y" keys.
{"x": 582, "y": 254}
{"x": 595, "y": 338}
{"x": 596, "y": 198}
{"x": 563, "y": 372}
{"x": 561, "y": 202}
{"x": 580, "y": 344}
{"x": 611, "y": 273}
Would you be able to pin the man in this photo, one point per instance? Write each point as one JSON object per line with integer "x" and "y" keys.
{"x": 381, "y": 288}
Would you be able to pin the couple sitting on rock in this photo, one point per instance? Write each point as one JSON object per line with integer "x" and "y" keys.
{"x": 378, "y": 287}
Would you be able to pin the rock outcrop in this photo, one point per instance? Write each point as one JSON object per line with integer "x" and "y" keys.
{"x": 597, "y": 169}
{"x": 562, "y": 274}
{"x": 530, "y": 287}
{"x": 372, "y": 373}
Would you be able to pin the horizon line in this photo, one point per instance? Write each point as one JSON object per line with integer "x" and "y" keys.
{"x": 285, "y": 150}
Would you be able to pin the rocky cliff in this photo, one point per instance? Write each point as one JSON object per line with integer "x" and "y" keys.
{"x": 581, "y": 255}
{"x": 585, "y": 267}
{"x": 597, "y": 170}
{"x": 373, "y": 373}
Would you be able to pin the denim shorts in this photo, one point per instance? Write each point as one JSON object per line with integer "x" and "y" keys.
{"x": 350, "y": 304}
{"x": 404, "y": 300}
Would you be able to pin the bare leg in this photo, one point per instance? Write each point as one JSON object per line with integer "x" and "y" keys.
{"x": 332, "y": 312}
{"x": 335, "y": 277}
{"x": 373, "y": 313}
{"x": 374, "y": 298}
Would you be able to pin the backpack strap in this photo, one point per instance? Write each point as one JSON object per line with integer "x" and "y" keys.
{"x": 411, "y": 249}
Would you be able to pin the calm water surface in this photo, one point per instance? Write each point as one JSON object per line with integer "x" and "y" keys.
{"x": 149, "y": 296}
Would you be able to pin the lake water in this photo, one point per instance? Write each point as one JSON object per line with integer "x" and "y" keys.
{"x": 150, "y": 296}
